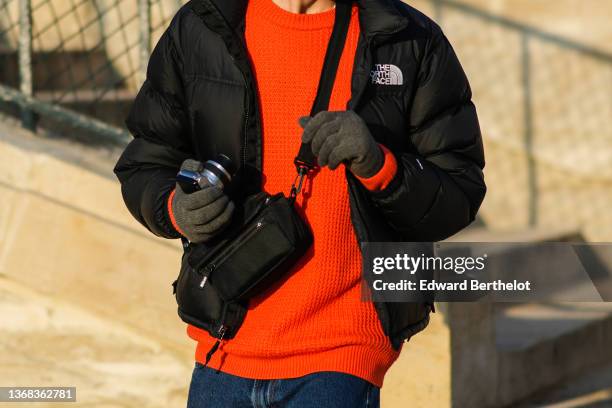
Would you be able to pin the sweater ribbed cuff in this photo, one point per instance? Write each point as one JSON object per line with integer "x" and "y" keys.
{"x": 384, "y": 176}
{"x": 171, "y": 213}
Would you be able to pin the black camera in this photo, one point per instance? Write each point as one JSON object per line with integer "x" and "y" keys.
{"x": 217, "y": 172}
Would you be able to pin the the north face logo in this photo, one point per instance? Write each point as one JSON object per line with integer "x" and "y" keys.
{"x": 386, "y": 74}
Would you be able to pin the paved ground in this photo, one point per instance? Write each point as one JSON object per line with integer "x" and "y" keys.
{"x": 46, "y": 342}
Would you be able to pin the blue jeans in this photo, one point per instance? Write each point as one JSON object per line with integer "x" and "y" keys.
{"x": 212, "y": 389}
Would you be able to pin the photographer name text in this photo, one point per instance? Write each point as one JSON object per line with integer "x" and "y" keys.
{"x": 464, "y": 285}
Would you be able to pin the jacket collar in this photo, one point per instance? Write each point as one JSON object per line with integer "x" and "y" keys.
{"x": 375, "y": 16}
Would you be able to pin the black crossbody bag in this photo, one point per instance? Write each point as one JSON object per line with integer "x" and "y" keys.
{"x": 266, "y": 238}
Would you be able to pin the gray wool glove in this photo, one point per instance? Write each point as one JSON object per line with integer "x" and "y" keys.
{"x": 203, "y": 214}
{"x": 342, "y": 137}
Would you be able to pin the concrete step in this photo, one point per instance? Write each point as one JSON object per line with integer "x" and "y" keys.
{"x": 541, "y": 346}
{"x": 592, "y": 389}
{"x": 505, "y": 352}
{"x": 564, "y": 233}
{"x": 63, "y": 69}
{"x": 522, "y": 327}
{"x": 502, "y": 357}
{"x": 533, "y": 255}
{"x": 538, "y": 346}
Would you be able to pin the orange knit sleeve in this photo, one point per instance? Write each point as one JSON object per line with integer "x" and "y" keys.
{"x": 384, "y": 176}
{"x": 171, "y": 213}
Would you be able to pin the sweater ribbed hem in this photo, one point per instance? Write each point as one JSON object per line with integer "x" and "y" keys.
{"x": 367, "y": 363}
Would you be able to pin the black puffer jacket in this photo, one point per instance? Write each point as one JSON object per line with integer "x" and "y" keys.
{"x": 199, "y": 99}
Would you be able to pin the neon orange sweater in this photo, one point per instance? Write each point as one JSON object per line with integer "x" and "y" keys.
{"x": 313, "y": 321}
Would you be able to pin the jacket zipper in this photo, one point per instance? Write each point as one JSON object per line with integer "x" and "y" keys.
{"x": 251, "y": 92}
{"x": 246, "y": 118}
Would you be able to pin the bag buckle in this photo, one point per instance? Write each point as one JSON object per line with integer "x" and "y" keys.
{"x": 298, "y": 182}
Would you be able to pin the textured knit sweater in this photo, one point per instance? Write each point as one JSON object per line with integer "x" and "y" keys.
{"x": 314, "y": 320}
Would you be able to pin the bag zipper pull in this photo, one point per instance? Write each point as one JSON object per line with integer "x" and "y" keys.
{"x": 222, "y": 330}
{"x": 209, "y": 268}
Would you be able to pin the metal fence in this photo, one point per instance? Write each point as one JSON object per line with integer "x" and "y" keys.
{"x": 90, "y": 55}
{"x": 545, "y": 102}
{"x": 78, "y": 61}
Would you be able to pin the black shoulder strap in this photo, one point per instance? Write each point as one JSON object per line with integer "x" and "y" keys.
{"x": 305, "y": 159}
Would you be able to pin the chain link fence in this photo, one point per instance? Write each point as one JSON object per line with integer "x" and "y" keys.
{"x": 545, "y": 102}
{"x": 80, "y": 60}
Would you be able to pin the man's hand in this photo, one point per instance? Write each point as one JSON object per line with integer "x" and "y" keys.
{"x": 342, "y": 137}
{"x": 203, "y": 214}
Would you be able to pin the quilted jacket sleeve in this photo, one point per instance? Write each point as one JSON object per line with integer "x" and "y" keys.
{"x": 148, "y": 166}
{"x": 438, "y": 189}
